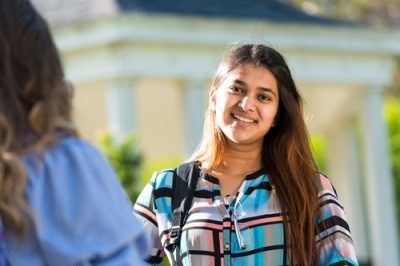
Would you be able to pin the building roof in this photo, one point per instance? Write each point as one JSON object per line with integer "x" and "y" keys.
{"x": 272, "y": 10}
{"x": 61, "y": 12}
{"x": 64, "y": 12}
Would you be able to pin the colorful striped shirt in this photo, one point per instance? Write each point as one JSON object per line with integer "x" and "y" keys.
{"x": 246, "y": 229}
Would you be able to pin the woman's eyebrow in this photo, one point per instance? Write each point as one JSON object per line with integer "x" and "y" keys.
{"x": 267, "y": 90}
{"x": 242, "y": 83}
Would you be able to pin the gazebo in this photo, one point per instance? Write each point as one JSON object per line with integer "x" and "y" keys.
{"x": 146, "y": 65}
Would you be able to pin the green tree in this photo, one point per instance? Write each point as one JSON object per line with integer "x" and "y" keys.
{"x": 318, "y": 148}
{"x": 126, "y": 159}
{"x": 371, "y": 12}
{"x": 392, "y": 116}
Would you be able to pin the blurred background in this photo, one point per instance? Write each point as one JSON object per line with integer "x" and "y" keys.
{"x": 142, "y": 69}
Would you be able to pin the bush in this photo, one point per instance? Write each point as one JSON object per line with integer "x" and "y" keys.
{"x": 392, "y": 116}
{"x": 126, "y": 159}
{"x": 318, "y": 148}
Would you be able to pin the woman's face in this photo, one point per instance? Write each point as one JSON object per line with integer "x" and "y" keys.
{"x": 246, "y": 104}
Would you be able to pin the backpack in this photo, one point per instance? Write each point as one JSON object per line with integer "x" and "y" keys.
{"x": 183, "y": 187}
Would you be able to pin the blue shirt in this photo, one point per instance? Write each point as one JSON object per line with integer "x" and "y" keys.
{"x": 82, "y": 215}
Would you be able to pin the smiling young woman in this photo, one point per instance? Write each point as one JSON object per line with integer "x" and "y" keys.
{"x": 259, "y": 199}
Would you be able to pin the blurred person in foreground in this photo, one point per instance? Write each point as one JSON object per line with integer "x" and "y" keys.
{"x": 259, "y": 198}
{"x": 60, "y": 201}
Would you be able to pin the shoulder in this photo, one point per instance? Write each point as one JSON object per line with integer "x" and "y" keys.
{"x": 72, "y": 169}
{"x": 156, "y": 195}
{"x": 328, "y": 201}
{"x": 164, "y": 184}
{"x": 159, "y": 186}
{"x": 69, "y": 162}
{"x": 67, "y": 145}
{"x": 163, "y": 179}
{"x": 324, "y": 185}
{"x": 69, "y": 150}
{"x": 73, "y": 146}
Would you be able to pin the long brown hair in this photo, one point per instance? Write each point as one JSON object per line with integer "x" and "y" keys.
{"x": 286, "y": 153}
{"x": 35, "y": 102}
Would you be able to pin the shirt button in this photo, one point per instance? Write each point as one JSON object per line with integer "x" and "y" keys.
{"x": 227, "y": 246}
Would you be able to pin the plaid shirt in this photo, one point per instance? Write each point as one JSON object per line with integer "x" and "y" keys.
{"x": 246, "y": 229}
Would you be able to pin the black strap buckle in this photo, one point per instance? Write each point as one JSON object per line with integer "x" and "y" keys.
{"x": 174, "y": 232}
{"x": 173, "y": 238}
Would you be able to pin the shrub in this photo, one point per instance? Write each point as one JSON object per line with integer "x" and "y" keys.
{"x": 126, "y": 159}
{"x": 392, "y": 116}
{"x": 318, "y": 148}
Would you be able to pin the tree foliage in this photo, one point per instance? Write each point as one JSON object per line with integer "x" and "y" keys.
{"x": 318, "y": 148}
{"x": 392, "y": 116}
{"x": 372, "y": 12}
{"x": 126, "y": 159}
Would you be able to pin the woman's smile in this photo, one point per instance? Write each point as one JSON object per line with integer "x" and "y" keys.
{"x": 243, "y": 119}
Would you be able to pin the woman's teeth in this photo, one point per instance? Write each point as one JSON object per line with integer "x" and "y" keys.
{"x": 243, "y": 119}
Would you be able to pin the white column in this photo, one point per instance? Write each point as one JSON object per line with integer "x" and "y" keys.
{"x": 121, "y": 108}
{"x": 194, "y": 103}
{"x": 379, "y": 183}
{"x": 344, "y": 169}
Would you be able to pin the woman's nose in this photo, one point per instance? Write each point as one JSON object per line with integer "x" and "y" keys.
{"x": 246, "y": 104}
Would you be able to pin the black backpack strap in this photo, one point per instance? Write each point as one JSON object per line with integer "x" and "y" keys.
{"x": 183, "y": 188}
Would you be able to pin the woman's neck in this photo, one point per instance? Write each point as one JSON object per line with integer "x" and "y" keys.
{"x": 239, "y": 160}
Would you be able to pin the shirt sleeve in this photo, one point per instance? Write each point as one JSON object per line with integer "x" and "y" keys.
{"x": 333, "y": 232}
{"x": 82, "y": 214}
{"x": 146, "y": 213}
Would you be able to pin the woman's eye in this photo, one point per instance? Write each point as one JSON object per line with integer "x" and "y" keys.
{"x": 264, "y": 98}
{"x": 236, "y": 89}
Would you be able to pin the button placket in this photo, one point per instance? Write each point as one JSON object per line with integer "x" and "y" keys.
{"x": 227, "y": 245}
{"x": 226, "y": 231}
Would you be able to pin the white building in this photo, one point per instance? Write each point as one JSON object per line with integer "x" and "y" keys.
{"x": 146, "y": 65}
